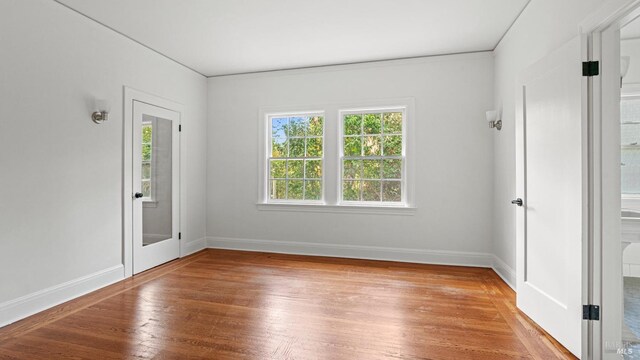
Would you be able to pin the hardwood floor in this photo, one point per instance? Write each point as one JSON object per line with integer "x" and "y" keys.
{"x": 220, "y": 304}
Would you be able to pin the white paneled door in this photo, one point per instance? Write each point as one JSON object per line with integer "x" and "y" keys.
{"x": 549, "y": 135}
{"x": 155, "y": 197}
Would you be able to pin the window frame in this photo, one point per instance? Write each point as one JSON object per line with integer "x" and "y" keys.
{"x": 403, "y": 156}
{"x": 267, "y": 159}
{"x": 331, "y": 181}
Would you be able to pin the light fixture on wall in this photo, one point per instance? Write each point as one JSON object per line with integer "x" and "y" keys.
{"x": 624, "y": 67}
{"x": 494, "y": 122}
{"x": 102, "y": 112}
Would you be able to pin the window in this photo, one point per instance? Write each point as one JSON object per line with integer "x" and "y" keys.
{"x": 147, "y": 160}
{"x": 295, "y": 159}
{"x": 345, "y": 158}
{"x": 372, "y": 156}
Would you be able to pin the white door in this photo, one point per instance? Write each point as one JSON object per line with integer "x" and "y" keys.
{"x": 549, "y": 168}
{"x": 155, "y": 186}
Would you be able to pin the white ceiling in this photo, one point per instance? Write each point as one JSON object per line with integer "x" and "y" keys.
{"x": 217, "y": 37}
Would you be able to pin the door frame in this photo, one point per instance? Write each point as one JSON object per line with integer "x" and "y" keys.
{"x": 131, "y": 95}
{"x": 601, "y": 102}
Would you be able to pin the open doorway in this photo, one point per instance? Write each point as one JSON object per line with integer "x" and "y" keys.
{"x": 613, "y": 41}
{"x": 630, "y": 185}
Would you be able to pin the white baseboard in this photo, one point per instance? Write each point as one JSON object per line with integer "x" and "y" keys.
{"x": 193, "y": 246}
{"x": 22, "y": 307}
{"x": 421, "y": 256}
{"x": 504, "y": 271}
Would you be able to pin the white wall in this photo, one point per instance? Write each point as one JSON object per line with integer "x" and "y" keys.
{"x": 542, "y": 27}
{"x": 61, "y": 174}
{"x": 453, "y": 154}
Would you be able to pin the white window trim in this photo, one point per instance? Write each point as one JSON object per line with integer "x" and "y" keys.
{"x": 331, "y": 174}
{"x": 630, "y": 201}
{"x": 266, "y": 167}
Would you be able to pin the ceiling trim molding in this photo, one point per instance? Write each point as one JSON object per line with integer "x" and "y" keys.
{"x": 512, "y": 24}
{"x": 320, "y": 67}
{"x": 130, "y": 38}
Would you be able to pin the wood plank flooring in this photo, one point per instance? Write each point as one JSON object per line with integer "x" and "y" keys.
{"x": 221, "y": 304}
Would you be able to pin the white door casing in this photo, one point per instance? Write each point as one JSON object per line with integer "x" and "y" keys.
{"x": 131, "y": 96}
{"x": 549, "y": 165}
{"x": 602, "y": 28}
{"x": 607, "y": 45}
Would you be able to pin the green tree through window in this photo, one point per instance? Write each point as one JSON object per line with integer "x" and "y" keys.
{"x": 147, "y": 153}
{"x": 295, "y": 159}
{"x": 373, "y": 160}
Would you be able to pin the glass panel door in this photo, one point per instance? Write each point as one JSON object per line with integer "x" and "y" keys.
{"x": 155, "y": 185}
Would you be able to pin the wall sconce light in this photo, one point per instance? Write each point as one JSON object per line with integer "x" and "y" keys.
{"x": 624, "y": 67}
{"x": 492, "y": 118}
{"x": 102, "y": 112}
{"x": 99, "y": 116}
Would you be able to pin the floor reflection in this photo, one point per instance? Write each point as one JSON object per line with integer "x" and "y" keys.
{"x": 150, "y": 320}
{"x": 332, "y": 319}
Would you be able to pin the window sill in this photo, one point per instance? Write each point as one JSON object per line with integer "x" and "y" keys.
{"x": 339, "y": 209}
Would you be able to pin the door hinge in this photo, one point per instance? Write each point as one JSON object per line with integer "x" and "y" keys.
{"x": 591, "y": 68}
{"x": 179, "y": 235}
{"x": 180, "y": 128}
{"x": 590, "y": 312}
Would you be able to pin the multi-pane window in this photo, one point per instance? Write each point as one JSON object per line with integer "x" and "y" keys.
{"x": 147, "y": 156}
{"x": 368, "y": 165}
{"x": 295, "y": 159}
{"x": 372, "y": 156}
{"x": 630, "y": 145}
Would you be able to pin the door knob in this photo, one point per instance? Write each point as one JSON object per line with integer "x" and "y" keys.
{"x": 138, "y": 195}
{"x": 517, "y": 201}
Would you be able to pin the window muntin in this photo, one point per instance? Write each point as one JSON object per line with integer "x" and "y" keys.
{"x": 147, "y": 161}
{"x": 373, "y": 156}
{"x": 296, "y": 157}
